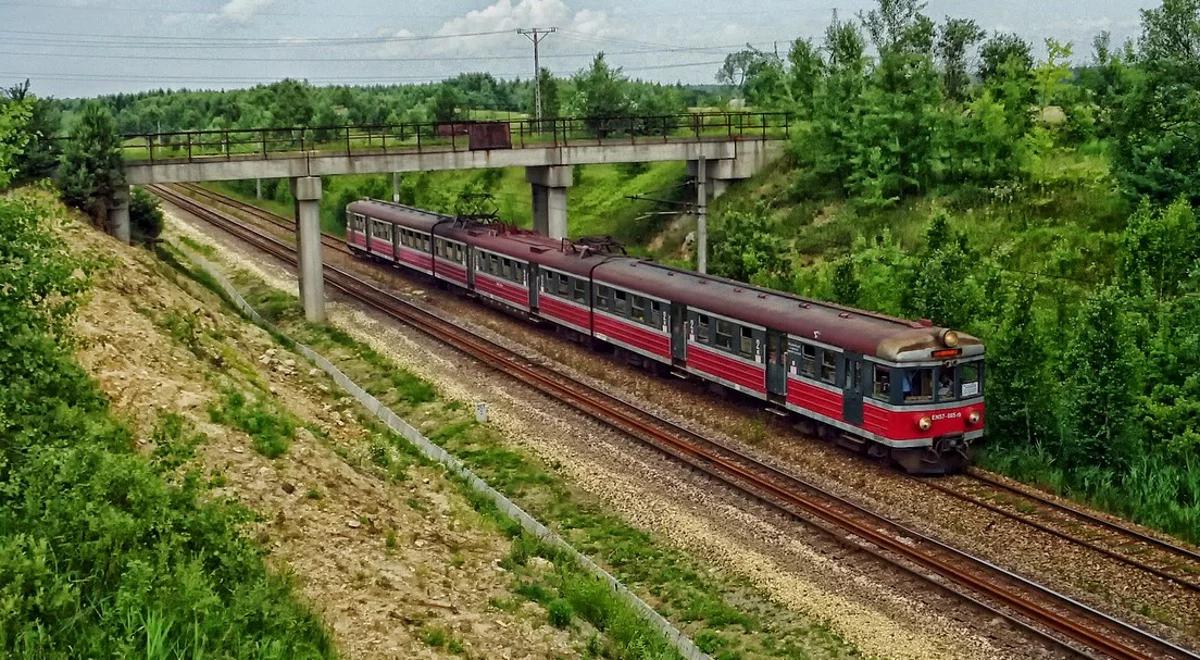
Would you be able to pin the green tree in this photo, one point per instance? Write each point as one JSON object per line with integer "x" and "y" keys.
{"x": 1000, "y": 50}
{"x": 1160, "y": 248}
{"x": 551, "y": 102}
{"x": 1100, "y": 381}
{"x": 1158, "y": 128}
{"x": 846, "y": 287}
{"x": 1016, "y": 373}
{"x": 91, "y": 169}
{"x": 805, "y": 68}
{"x": 602, "y": 95}
{"x": 291, "y": 103}
{"x": 14, "y": 137}
{"x": 745, "y": 248}
{"x": 40, "y": 155}
{"x": 942, "y": 288}
{"x": 145, "y": 216}
{"x": 955, "y": 38}
{"x": 446, "y": 103}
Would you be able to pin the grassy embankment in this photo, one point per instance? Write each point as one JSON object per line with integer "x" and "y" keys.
{"x": 725, "y": 616}
{"x": 104, "y": 551}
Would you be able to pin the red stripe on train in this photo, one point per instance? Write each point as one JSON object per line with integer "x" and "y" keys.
{"x": 816, "y": 399}
{"x": 553, "y": 308}
{"x": 633, "y": 335}
{"x": 509, "y": 292}
{"x": 727, "y": 368}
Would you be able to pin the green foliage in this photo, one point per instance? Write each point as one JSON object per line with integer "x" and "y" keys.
{"x": 99, "y": 555}
{"x": 942, "y": 287}
{"x": 1158, "y": 126}
{"x": 446, "y": 103}
{"x": 955, "y": 38}
{"x": 145, "y": 216}
{"x": 270, "y": 430}
{"x": 1160, "y": 249}
{"x": 560, "y": 612}
{"x": 38, "y": 157}
{"x": 91, "y": 169}
{"x": 601, "y": 92}
{"x": 14, "y": 138}
{"x": 744, "y": 247}
{"x": 1003, "y": 51}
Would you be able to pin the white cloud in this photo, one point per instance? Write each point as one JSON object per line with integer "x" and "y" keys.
{"x": 241, "y": 11}
{"x": 505, "y": 16}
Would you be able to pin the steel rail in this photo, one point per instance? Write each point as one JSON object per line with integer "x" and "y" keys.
{"x": 737, "y": 469}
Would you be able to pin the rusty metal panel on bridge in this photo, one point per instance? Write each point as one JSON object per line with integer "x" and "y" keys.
{"x": 490, "y": 135}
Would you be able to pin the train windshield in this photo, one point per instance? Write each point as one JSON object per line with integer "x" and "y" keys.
{"x": 943, "y": 383}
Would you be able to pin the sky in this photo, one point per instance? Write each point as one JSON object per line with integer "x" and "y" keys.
{"x": 73, "y": 48}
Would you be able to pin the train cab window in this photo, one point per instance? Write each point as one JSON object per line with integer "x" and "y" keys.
{"x": 702, "y": 322}
{"x": 746, "y": 347}
{"x": 945, "y": 383}
{"x": 808, "y": 361}
{"x": 579, "y": 291}
{"x": 918, "y": 385}
{"x": 969, "y": 381}
{"x": 882, "y": 387}
{"x": 724, "y": 338}
{"x": 829, "y": 367}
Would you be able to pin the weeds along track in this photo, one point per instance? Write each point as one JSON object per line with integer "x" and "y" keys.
{"x": 1158, "y": 557}
{"x": 1026, "y": 604}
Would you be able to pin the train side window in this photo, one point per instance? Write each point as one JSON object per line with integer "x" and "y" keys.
{"x": 808, "y": 361}
{"x": 747, "y": 344}
{"x": 621, "y": 302}
{"x": 579, "y": 292}
{"x": 638, "y": 308}
{"x": 969, "y": 382}
{"x": 656, "y": 313}
{"x": 564, "y": 286}
{"x": 702, "y": 328}
{"x": 828, "y": 366}
{"x": 882, "y": 387}
{"x": 918, "y": 385}
{"x": 724, "y": 338}
{"x": 603, "y": 298}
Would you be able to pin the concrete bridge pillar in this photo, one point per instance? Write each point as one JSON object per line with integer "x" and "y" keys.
{"x": 118, "y": 216}
{"x": 549, "y": 185}
{"x": 307, "y": 191}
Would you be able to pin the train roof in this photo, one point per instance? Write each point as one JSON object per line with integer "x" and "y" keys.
{"x": 408, "y": 216}
{"x": 878, "y": 335}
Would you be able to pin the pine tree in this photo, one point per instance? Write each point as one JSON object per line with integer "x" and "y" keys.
{"x": 91, "y": 169}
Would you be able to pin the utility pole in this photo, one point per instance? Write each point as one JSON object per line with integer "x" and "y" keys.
{"x": 535, "y": 35}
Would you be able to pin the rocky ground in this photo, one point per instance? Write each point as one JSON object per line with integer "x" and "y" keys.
{"x": 881, "y": 613}
{"x": 397, "y": 565}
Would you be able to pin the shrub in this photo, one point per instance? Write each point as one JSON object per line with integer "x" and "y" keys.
{"x": 145, "y": 216}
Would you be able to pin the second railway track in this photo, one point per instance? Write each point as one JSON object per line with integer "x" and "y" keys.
{"x": 1023, "y": 602}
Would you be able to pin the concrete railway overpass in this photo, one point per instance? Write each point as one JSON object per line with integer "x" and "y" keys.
{"x": 720, "y": 148}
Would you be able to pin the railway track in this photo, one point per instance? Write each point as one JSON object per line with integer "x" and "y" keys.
{"x": 1122, "y": 543}
{"x": 1026, "y": 604}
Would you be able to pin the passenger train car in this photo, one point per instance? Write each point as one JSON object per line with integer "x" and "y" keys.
{"x": 894, "y": 388}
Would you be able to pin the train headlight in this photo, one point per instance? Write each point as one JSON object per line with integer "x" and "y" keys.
{"x": 925, "y": 423}
{"x": 973, "y": 417}
{"x": 950, "y": 338}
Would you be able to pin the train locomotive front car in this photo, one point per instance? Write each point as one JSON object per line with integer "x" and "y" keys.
{"x": 893, "y": 388}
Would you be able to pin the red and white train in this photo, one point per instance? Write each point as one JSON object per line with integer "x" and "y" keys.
{"x": 889, "y": 386}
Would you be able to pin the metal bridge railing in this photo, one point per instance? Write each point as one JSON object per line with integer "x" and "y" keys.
{"x": 275, "y": 143}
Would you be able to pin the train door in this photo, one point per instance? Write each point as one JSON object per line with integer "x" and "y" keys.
{"x": 472, "y": 255}
{"x": 852, "y": 391}
{"x": 777, "y": 363}
{"x": 679, "y": 316}
{"x": 532, "y": 277}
